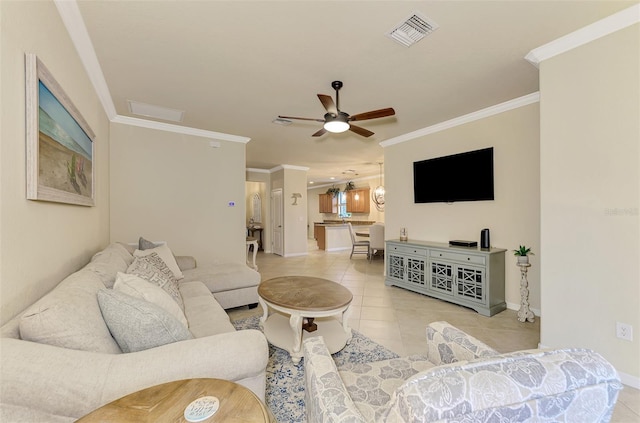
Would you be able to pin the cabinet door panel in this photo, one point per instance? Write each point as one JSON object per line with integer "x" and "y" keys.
{"x": 441, "y": 278}
{"x": 358, "y": 201}
{"x": 415, "y": 270}
{"x": 470, "y": 284}
{"x": 327, "y": 203}
{"x": 395, "y": 267}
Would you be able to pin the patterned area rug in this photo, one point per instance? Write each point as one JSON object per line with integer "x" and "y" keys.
{"x": 285, "y": 381}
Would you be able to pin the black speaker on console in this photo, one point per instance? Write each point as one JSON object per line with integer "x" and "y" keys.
{"x": 485, "y": 242}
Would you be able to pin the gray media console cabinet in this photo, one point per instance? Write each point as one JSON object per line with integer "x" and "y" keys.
{"x": 468, "y": 276}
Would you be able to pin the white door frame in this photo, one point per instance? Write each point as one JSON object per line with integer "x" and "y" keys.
{"x": 277, "y": 222}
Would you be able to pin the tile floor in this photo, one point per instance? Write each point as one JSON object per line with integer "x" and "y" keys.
{"x": 396, "y": 318}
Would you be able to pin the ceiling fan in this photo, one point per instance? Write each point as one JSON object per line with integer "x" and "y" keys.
{"x": 337, "y": 121}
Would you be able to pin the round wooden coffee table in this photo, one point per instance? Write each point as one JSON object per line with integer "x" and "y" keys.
{"x": 304, "y": 306}
{"x": 168, "y": 401}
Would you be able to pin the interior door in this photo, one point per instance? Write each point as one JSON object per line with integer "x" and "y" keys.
{"x": 277, "y": 228}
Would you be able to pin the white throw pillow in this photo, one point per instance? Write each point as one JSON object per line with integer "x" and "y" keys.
{"x": 166, "y": 255}
{"x": 139, "y": 288}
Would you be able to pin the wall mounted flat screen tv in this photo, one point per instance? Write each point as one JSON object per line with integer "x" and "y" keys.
{"x": 460, "y": 177}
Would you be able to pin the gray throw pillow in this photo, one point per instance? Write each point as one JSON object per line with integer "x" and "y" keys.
{"x": 137, "y": 324}
{"x": 145, "y": 244}
{"x": 153, "y": 269}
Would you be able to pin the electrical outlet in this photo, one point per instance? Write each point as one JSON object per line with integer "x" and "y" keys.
{"x": 624, "y": 331}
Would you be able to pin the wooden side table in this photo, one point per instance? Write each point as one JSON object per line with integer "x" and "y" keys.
{"x": 168, "y": 401}
{"x": 525, "y": 313}
{"x": 252, "y": 233}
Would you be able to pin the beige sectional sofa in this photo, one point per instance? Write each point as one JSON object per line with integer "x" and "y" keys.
{"x": 59, "y": 360}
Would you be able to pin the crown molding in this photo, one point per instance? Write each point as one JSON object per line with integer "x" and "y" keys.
{"x": 256, "y": 170}
{"x": 286, "y": 166}
{"x": 461, "y": 120}
{"x": 342, "y": 181}
{"x": 72, "y": 20}
{"x": 589, "y": 33}
{"x": 187, "y": 130}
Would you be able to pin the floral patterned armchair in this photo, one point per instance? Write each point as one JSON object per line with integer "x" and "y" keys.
{"x": 461, "y": 380}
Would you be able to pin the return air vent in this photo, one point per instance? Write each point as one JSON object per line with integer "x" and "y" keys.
{"x": 413, "y": 29}
{"x": 156, "y": 112}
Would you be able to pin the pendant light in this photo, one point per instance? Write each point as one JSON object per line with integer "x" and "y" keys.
{"x": 377, "y": 195}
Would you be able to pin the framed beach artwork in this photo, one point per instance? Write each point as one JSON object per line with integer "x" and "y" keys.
{"x": 60, "y": 144}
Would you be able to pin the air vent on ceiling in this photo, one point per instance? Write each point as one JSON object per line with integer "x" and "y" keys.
{"x": 157, "y": 112}
{"x": 280, "y": 121}
{"x": 413, "y": 29}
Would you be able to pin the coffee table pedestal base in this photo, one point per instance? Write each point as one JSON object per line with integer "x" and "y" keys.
{"x": 277, "y": 329}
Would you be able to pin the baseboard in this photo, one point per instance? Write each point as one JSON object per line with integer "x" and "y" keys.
{"x": 338, "y": 249}
{"x": 629, "y": 380}
{"x": 516, "y": 307}
{"x": 296, "y": 254}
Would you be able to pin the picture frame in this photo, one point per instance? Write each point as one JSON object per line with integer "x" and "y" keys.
{"x": 59, "y": 142}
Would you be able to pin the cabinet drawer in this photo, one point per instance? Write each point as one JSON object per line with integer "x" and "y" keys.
{"x": 406, "y": 249}
{"x": 461, "y": 257}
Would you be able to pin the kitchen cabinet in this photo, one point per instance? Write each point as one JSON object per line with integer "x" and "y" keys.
{"x": 358, "y": 200}
{"x": 471, "y": 277}
{"x": 327, "y": 203}
{"x": 319, "y": 235}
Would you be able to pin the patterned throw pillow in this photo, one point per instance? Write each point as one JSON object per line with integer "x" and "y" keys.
{"x": 137, "y": 324}
{"x": 137, "y": 287}
{"x": 164, "y": 252}
{"x": 154, "y": 270}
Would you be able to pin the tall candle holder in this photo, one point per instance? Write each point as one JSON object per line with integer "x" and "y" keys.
{"x": 525, "y": 313}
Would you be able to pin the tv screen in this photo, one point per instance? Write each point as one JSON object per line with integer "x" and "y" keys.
{"x": 459, "y": 177}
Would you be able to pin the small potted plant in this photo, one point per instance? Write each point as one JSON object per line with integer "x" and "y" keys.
{"x": 523, "y": 253}
{"x": 334, "y": 190}
{"x": 349, "y": 186}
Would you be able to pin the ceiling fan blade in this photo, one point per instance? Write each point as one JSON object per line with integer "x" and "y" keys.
{"x": 319, "y": 133}
{"x": 374, "y": 114}
{"x": 328, "y": 103}
{"x": 300, "y": 118}
{"x": 360, "y": 131}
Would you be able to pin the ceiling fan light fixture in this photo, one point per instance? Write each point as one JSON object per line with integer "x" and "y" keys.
{"x": 337, "y": 125}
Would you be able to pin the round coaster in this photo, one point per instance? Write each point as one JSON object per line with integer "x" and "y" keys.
{"x": 201, "y": 409}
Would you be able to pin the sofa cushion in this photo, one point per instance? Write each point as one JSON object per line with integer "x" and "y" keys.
{"x": 166, "y": 255}
{"x": 537, "y": 385}
{"x": 69, "y": 316}
{"x": 206, "y": 317}
{"x": 153, "y": 269}
{"x": 108, "y": 262}
{"x": 224, "y": 276}
{"x": 139, "y": 288}
{"x": 137, "y": 324}
{"x": 117, "y": 248}
{"x": 371, "y": 385}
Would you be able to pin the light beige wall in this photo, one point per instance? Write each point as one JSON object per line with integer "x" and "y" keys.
{"x": 295, "y": 217}
{"x": 41, "y": 243}
{"x": 176, "y": 188}
{"x": 314, "y": 214}
{"x": 590, "y": 183}
{"x": 513, "y": 217}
